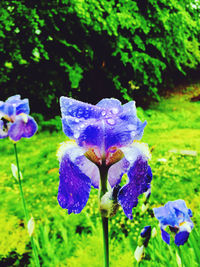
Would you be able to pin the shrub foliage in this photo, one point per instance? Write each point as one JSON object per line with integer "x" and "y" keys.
{"x": 79, "y": 47}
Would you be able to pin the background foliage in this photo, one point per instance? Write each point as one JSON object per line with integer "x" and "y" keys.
{"x": 85, "y": 48}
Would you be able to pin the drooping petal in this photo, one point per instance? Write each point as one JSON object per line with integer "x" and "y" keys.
{"x": 181, "y": 237}
{"x": 74, "y": 187}
{"x": 139, "y": 176}
{"x": 24, "y": 126}
{"x": 76, "y": 155}
{"x": 165, "y": 236}
{"x": 77, "y": 174}
{"x": 128, "y": 194}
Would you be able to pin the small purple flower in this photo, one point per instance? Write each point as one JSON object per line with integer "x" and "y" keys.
{"x": 104, "y": 135}
{"x": 14, "y": 119}
{"x": 176, "y": 215}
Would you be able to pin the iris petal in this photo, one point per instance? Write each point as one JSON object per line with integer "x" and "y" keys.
{"x": 74, "y": 187}
{"x": 21, "y": 128}
{"x": 105, "y": 125}
{"x": 116, "y": 172}
{"x": 165, "y": 236}
{"x": 138, "y": 184}
{"x": 181, "y": 237}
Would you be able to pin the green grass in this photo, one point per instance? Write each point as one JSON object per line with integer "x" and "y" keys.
{"x": 75, "y": 240}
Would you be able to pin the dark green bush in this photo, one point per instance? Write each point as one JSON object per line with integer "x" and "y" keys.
{"x": 87, "y": 49}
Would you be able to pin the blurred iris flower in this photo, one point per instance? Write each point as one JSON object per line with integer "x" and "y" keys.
{"x": 176, "y": 215}
{"x": 102, "y": 145}
{"x": 14, "y": 119}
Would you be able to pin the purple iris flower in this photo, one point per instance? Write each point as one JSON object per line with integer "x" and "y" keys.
{"x": 103, "y": 137}
{"x": 176, "y": 215}
{"x": 14, "y": 119}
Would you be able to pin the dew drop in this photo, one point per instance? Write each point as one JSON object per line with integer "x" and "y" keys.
{"x": 76, "y": 135}
{"x": 103, "y": 113}
{"x": 114, "y": 111}
{"x": 111, "y": 121}
{"x": 77, "y": 120}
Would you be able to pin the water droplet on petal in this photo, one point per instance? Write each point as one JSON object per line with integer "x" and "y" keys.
{"x": 82, "y": 125}
{"x": 111, "y": 121}
{"x": 77, "y": 120}
{"x": 76, "y": 135}
{"x": 132, "y": 127}
{"x": 114, "y": 110}
{"x": 103, "y": 113}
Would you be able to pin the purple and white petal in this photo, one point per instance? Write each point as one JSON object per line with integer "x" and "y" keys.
{"x": 22, "y": 107}
{"x": 116, "y": 171}
{"x": 110, "y": 122}
{"x": 138, "y": 183}
{"x": 76, "y": 155}
{"x": 24, "y": 126}
{"x": 165, "y": 236}
{"x": 30, "y": 127}
{"x": 74, "y": 187}
{"x": 139, "y": 175}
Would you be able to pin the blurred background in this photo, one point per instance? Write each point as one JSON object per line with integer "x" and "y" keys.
{"x": 145, "y": 50}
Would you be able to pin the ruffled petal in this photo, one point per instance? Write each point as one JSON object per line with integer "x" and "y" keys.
{"x": 165, "y": 236}
{"x": 74, "y": 187}
{"x": 22, "y": 107}
{"x": 14, "y": 106}
{"x": 106, "y": 125}
{"x": 122, "y": 125}
{"x": 24, "y": 126}
{"x": 181, "y": 237}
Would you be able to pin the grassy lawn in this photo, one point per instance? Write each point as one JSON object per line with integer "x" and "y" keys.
{"x": 173, "y": 134}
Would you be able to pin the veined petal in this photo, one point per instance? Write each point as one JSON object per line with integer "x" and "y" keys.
{"x": 76, "y": 155}
{"x": 22, "y": 127}
{"x": 106, "y": 125}
{"x": 75, "y": 183}
{"x": 74, "y": 187}
{"x": 139, "y": 175}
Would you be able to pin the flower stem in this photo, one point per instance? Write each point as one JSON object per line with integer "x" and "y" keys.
{"x": 105, "y": 241}
{"x": 103, "y": 189}
{"x": 37, "y": 263}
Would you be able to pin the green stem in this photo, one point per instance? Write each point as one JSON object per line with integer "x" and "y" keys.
{"x": 103, "y": 189}
{"x": 105, "y": 241}
{"x": 37, "y": 263}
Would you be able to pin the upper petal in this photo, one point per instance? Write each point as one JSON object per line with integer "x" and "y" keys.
{"x": 106, "y": 125}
